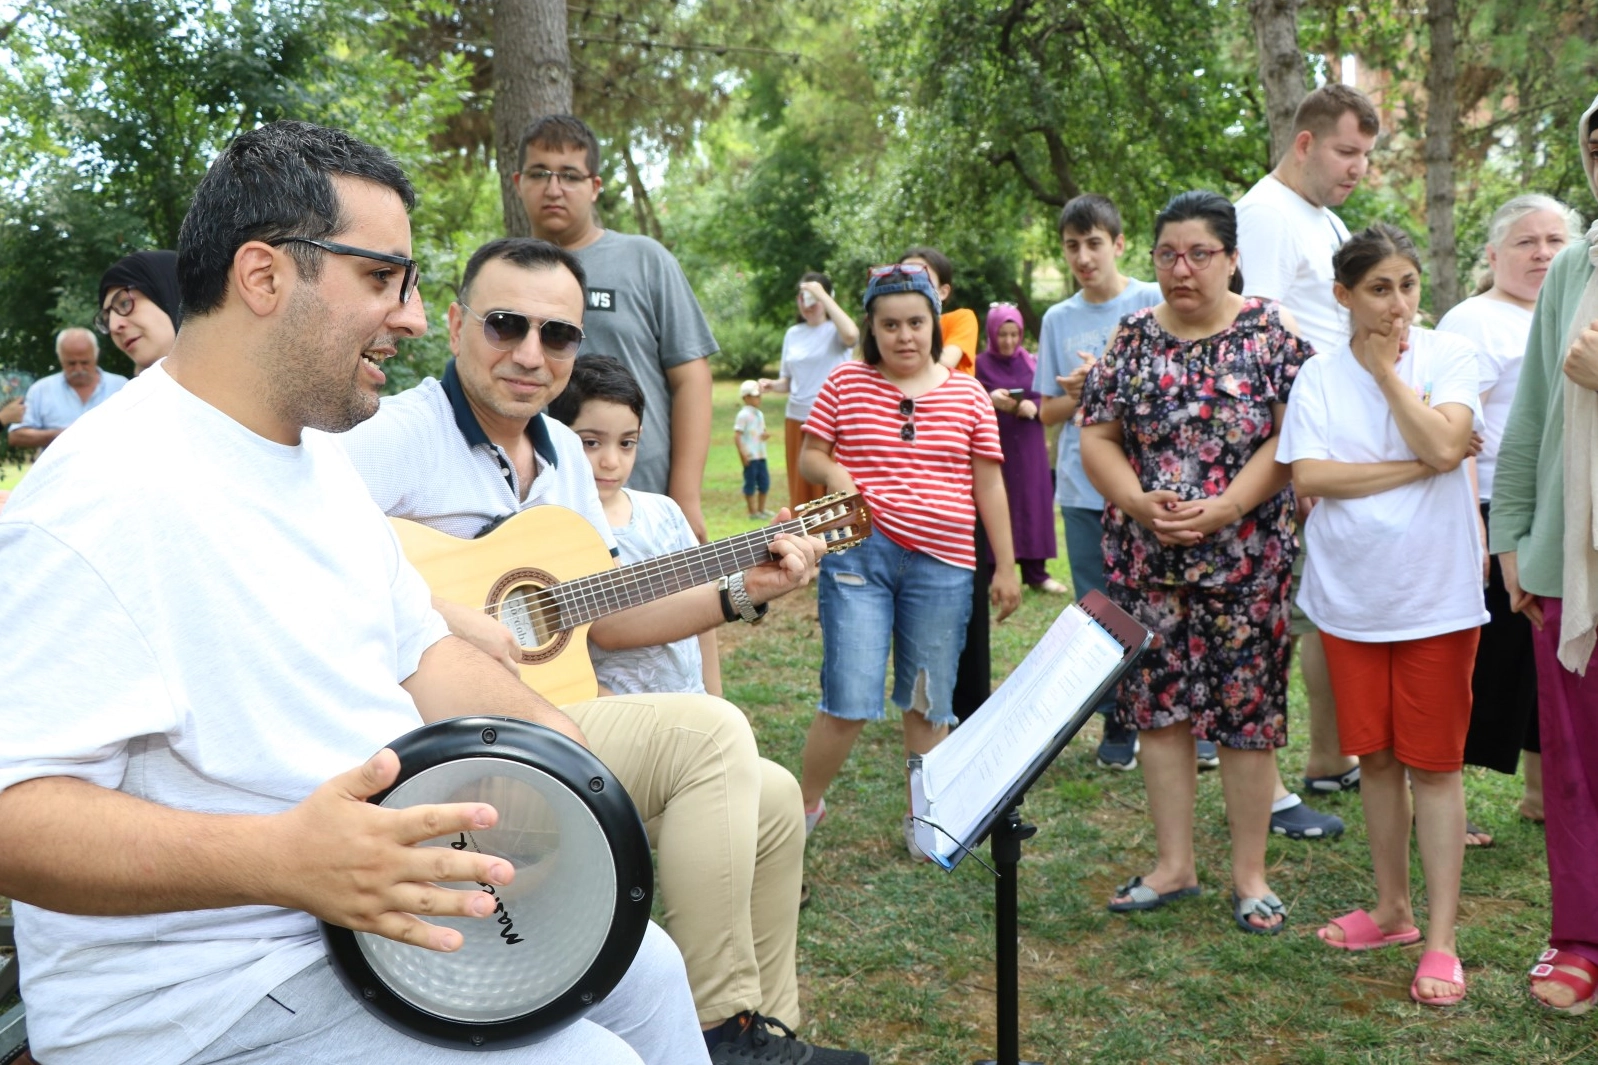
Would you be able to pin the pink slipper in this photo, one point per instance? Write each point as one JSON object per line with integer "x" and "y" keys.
{"x": 1438, "y": 965}
{"x": 1361, "y": 932}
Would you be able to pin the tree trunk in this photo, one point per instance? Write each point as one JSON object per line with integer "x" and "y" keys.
{"x": 1442, "y": 106}
{"x": 643, "y": 207}
{"x": 1282, "y": 70}
{"x": 532, "y": 77}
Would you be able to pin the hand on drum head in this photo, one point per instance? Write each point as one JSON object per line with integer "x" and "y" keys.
{"x": 351, "y": 863}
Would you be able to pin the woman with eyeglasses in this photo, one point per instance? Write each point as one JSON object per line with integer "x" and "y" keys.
{"x": 821, "y": 340}
{"x": 139, "y": 306}
{"x": 1006, "y": 370}
{"x": 1180, "y": 419}
{"x": 1523, "y": 236}
{"x": 920, "y": 442}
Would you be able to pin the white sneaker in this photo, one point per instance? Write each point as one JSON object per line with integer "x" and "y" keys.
{"x": 814, "y": 817}
{"x": 910, "y": 840}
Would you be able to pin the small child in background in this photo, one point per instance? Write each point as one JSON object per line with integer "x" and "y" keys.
{"x": 749, "y": 433}
{"x": 604, "y": 406}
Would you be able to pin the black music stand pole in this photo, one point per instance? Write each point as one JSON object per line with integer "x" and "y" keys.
{"x": 1005, "y": 842}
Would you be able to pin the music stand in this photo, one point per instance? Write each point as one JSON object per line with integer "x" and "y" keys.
{"x": 1005, "y": 831}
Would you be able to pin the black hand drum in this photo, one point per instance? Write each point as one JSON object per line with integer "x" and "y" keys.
{"x": 566, "y": 927}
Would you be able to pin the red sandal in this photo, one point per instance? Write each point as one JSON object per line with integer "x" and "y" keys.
{"x": 1547, "y": 968}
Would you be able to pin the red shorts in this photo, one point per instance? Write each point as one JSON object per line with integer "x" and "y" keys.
{"x": 1412, "y": 696}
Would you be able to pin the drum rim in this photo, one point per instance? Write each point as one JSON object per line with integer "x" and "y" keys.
{"x": 588, "y": 779}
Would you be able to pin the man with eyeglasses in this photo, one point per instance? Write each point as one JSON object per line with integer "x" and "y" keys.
{"x": 183, "y": 795}
{"x": 56, "y": 401}
{"x": 641, "y": 308}
{"x": 466, "y": 452}
{"x": 1286, "y": 236}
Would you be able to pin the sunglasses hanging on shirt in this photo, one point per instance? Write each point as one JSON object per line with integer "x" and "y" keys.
{"x": 907, "y": 409}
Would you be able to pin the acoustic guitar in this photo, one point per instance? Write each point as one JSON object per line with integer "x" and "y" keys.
{"x": 547, "y": 574}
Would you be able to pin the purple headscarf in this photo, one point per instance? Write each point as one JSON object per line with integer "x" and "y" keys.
{"x": 998, "y": 314}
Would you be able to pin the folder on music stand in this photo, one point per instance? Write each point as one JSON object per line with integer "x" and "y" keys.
{"x": 968, "y": 782}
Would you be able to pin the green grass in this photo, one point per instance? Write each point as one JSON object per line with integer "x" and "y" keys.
{"x": 896, "y": 957}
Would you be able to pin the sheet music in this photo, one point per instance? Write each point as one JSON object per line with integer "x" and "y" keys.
{"x": 965, "y": 776}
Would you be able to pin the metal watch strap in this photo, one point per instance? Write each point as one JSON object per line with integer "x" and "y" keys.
{"x": 740, "y": 599}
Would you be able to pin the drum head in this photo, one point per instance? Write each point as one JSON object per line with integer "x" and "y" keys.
{"x": 567, "y": 926}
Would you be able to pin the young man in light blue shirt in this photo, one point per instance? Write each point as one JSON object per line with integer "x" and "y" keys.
{"x": 1075, "y": 333}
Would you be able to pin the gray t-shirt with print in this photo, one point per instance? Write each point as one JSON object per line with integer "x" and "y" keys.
{"x": 642, "y": 311}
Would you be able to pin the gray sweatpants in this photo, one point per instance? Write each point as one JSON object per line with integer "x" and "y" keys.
{"x": 310, "y": 1017}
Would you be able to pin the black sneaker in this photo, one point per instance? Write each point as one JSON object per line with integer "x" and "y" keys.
{"x": 1118, "y": 748}
{"x": 769, "y": 1041}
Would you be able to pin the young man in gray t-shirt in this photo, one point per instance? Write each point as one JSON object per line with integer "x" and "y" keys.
{"x": 641, "y": 309}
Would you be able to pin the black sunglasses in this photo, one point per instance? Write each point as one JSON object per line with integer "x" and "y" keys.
{"x": 407, "y": 286}
{"x": 505, "y": 330}
{"x": 907, "y": 409}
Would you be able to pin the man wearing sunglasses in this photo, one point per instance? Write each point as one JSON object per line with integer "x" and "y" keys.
{"x": 183, "y": 795}
{"x": 641, "y": 308}
{"x": 57, "y": 401}
{"x": 462, "y": 454}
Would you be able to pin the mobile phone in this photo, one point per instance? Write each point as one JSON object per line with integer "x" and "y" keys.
{"x": 1017, "y": 393}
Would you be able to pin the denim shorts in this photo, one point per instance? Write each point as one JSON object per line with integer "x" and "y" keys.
{"x": 757, "y": 477}
{"x": 880, "y": 593}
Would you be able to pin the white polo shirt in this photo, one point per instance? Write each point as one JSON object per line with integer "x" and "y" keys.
{"x": 425, "y": 457}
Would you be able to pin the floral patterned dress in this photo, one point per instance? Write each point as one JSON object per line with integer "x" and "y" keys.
{"x": 1192, "y": 414}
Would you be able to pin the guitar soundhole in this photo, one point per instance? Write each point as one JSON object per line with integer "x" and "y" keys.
{"x": 520, "y": 600}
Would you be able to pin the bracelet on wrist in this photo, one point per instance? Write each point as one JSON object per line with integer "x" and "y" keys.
{"x": 729, "y": 613}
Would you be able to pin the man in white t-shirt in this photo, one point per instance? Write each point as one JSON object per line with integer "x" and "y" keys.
{"x": 1286, "y": 236}
{"x": 182, "y": 796}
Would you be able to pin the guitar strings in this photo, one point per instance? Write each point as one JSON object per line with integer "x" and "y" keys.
{"x": 605, "y": 589}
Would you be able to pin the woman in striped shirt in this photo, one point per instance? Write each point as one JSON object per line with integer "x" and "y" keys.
{"x": 922, "y": 445}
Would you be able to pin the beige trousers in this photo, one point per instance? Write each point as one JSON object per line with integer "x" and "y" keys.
{"x": 728, "y": 830}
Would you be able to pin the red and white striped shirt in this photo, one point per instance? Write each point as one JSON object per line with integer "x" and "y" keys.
{"x": 919, "y": 490}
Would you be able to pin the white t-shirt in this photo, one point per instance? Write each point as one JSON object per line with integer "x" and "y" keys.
{"x": 1403, "y": 564}
{"x": 1285, "y": 246}
{"x": 750, "y": 425}
{"x": 809, "y": 352}
{"x": 1497, "y": 330}
{"x": 210, "y": 621}
{"x": 657, "y": 527}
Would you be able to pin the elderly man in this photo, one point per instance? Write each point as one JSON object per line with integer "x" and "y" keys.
{"x": 57, "y": 401}
{"x": 183, "y": 796}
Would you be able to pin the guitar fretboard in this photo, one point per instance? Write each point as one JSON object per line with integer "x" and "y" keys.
{"x": 586, "y": 599}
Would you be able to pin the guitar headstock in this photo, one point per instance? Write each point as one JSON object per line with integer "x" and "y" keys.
{"x": 839, "y": 519}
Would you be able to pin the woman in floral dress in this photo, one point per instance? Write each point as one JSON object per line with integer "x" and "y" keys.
{"x": 1180, "y": 420}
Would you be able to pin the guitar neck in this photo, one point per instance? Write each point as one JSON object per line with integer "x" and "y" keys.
{"x": 589, "y": 598}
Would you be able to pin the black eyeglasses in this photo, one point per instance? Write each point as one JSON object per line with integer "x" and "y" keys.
{"x": 505, "y": 331}
{"x": 907, "y": 409}
{"x": 407, "y": 286}
{"x": 121, "y": 303}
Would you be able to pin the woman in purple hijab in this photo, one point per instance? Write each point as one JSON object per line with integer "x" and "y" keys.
{"x": 1006, "y": 370}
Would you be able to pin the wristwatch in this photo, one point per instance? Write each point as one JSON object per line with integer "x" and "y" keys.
{"x": 741, "y": 602}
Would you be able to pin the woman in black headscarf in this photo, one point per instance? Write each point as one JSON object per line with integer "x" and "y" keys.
{"x": 139, "y": 306}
